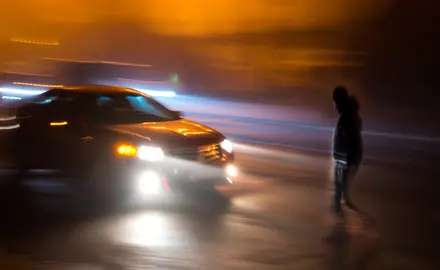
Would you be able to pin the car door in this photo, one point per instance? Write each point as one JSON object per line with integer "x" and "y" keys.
{"x": 33, "y": 142}
{"x": 58, "y": 143}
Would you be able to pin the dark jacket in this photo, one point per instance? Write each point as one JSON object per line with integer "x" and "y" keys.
{"x": 347, "y": 137}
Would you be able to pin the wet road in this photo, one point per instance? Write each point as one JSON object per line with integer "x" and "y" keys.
{"x": 277, "y": 218}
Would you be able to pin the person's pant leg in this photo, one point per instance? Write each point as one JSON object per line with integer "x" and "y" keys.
{"x": 339, "y": 188}
{"x": 347, "y": 178}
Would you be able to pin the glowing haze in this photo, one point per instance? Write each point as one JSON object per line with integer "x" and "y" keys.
{"x": 194, "y": 17}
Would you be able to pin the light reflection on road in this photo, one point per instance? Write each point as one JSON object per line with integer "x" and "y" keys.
{"x": 148, "y": 229}
{"x": 269, "y": 224}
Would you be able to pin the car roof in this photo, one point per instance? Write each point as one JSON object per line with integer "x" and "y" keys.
{"x": 97, "y": 89}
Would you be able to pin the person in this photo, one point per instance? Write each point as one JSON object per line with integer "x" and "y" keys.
{"x": 347, "y": 150}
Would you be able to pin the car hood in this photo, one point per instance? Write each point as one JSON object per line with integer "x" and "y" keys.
{"x": 171, "y": 134}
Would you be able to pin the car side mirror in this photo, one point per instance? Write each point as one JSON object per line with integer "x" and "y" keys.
{"x": 178, "y": 114}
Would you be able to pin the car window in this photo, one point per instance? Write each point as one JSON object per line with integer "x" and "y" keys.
{"x": 44, "y": 98}
{"x": 117, "y": 108}
{"x": 51, "y": 104}
{"x": 132, "y": 108}
{"x": 142, "y": 104}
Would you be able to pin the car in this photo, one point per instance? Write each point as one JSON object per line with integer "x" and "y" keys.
{"x": 116, "y": 143}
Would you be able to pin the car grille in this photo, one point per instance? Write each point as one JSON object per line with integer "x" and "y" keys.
{"x": 205, "y": 154}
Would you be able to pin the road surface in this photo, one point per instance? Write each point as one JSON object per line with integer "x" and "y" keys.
{"x": 277, "y": 219}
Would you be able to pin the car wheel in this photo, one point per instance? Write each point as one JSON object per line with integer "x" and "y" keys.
{"x": 93, "y": 191}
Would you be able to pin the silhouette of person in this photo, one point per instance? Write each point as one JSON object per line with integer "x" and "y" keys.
{"x": 347, "y": 149}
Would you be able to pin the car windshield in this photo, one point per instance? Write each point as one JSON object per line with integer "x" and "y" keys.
{"x": 131, "y": 108}
{"x": 103, "y": 108}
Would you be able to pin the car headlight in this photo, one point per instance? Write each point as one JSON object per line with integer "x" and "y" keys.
{"x": 227, "y": 146}
{"x": 143, "y": 152}
{"x": 150, "y": 153}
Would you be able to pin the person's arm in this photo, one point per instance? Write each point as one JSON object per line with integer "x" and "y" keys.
{"x": 341, "y": 141}
{"x": 354, "y": 141}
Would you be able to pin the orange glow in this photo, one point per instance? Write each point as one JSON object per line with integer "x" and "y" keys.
{"x": 194, "y": 17}
{"x": 38, "y": 85}
{"x": 30, "y": 74}
{"x": 193, "y": 133}
{"x": 184, "y": 131}
{"x": 36, "y": 42}
{"x": 198, "y": 125}
{"x": 96, "y": 62}
{"x": 127, "y": 150}
{"x": 54, "y": 124}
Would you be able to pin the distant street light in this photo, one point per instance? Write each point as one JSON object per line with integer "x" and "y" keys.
{"x": 175, "y": 78}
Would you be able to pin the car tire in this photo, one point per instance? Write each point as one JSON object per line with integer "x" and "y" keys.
{"x": 93, "y": 190}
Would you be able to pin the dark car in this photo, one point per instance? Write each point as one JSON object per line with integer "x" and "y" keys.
{"x": 97, "y": 141}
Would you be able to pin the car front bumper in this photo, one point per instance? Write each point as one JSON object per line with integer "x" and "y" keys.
{"x": 170, "y": 176}
{"x": 133, "y": 178}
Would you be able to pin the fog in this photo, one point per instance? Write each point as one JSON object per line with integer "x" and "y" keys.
{"x": 280, "y": 52}
{"x": 194, "y": 17}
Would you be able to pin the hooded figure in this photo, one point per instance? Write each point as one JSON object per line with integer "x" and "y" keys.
{"x": 347, "y": 147}
{"x": 347, "y": 138}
